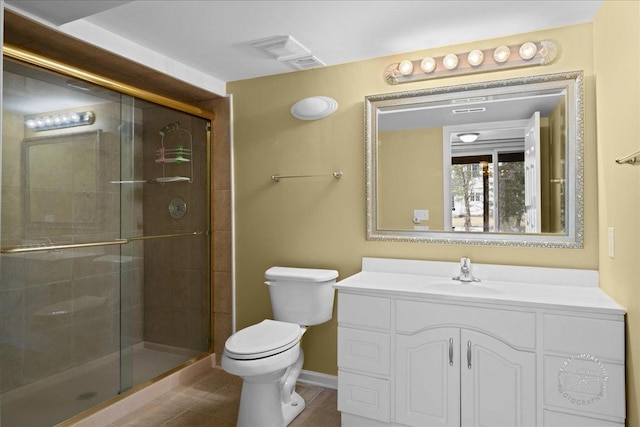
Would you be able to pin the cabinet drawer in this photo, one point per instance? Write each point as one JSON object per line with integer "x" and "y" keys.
{"x": 559, "y": 419}
{"x": 582, "y": 384}
{"x": 576, "y": 335}
{"x": 362, "y": 310}
{"x": 364, "y": 396}
{"x": 517, "y": 328}
{"x": 364, "y": 351}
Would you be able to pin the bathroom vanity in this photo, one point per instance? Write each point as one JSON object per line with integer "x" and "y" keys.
{"x": 524, "y": 347}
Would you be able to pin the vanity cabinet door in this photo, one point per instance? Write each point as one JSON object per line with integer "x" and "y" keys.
{"x": 428, "y": 378}
{"x": 498, "y": 383}
{"x": 458, "y": 377}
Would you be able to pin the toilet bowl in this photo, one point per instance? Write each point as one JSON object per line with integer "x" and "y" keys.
{"x": 268, "y": 356}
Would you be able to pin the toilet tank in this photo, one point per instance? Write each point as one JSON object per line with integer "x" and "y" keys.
{"x": 301, "y": 295}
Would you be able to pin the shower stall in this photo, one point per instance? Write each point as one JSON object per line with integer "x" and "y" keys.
{"x": 105, "y": 263}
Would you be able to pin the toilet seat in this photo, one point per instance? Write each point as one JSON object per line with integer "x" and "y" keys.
{"x": 262, "y": 340}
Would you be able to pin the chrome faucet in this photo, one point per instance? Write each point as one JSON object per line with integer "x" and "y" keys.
{"x": 466, "y": 275}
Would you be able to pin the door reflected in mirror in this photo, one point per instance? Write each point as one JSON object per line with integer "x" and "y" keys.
{"x": 490, "y": 163}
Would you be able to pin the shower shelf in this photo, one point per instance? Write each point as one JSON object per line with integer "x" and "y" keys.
{"x": 167, "y": 160}
{"x": 176, "y": 155}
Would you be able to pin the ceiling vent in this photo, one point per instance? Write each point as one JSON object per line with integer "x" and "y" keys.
{"x": 280, "y": 47}
{"x": 469, "y": 110}
{"x": 304, "y": 62}
{"x": 287, "y": 50}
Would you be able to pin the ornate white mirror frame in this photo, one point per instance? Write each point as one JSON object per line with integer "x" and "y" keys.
{"x": 571, "y": 235}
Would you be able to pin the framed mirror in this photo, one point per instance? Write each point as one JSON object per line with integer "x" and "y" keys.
{"x": 491, "y": 163}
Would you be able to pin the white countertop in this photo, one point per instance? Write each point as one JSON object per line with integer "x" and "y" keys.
{"x": 503, "y": 285}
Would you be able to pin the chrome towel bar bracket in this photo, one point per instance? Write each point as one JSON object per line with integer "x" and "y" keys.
{"x": 631, "y": 159}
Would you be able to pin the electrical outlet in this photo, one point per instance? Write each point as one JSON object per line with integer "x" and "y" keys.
{"x": 421, "y": 214}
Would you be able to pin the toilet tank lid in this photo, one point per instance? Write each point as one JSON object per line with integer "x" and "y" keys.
{"x": 306, "y": 274}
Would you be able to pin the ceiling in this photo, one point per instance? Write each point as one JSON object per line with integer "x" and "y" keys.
{"x": 207, "y": 42}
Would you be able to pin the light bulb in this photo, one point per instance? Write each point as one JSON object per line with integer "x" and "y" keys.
{"x": 405, "y": 67}
{"x": 475, "y": 57}
{"x": 74, "y": 117}
{"x": 56, "y": 120}
{"x": 428, "y": 64}
{"x": 30, "y": 123}
{"x": 501, "y": 54}
{"x": 528, "y": 51}
{"x": 450, "y": 61}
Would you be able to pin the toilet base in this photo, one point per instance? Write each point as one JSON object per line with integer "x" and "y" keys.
{"x": 261, "y": 404}
{"x": 268, "y": 397}
{"x": 293, "y": 408}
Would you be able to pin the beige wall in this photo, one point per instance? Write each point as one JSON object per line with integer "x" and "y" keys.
{"x": 410, "y": 164}
{"x": 616, "y": 47}
{"x": 320, "y": 222}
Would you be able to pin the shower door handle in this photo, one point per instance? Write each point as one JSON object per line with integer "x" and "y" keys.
{"x": 52, "y": 247}
{"x": 164, "y": 236}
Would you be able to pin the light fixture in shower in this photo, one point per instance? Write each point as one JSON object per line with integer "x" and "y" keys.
{"x": 60, "y": 121}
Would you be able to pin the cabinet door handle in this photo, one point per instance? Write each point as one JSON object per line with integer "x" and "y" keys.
{"x": 469, "y": 354}
{"x": 450, "y": 351}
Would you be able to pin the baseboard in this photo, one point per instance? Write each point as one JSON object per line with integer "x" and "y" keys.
{"x": 318, "y": 379}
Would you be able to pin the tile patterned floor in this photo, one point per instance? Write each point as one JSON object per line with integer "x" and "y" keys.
{"x": 212, "y": 400}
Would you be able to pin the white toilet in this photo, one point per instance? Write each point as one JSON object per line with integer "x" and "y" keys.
{"x": 267, "y": 356}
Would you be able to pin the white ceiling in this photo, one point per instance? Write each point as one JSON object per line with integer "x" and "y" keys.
{"x": 206, "y": 42}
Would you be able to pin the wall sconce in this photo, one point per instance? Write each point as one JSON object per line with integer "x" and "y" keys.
{"x": 61, "y": 121}
{"x": 476, "y": 61}
{"x": 314, "y": 108}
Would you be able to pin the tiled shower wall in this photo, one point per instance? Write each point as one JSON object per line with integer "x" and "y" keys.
{"x": 221, "y": 223}
{"x": 176, "y": 296}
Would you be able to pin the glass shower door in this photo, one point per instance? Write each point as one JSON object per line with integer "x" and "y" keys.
{"x": 61, "y": 345}
{"x": 130, "y": 265}
{"x": 102, "y": 286}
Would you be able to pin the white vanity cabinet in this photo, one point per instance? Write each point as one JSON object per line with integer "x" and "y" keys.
{"x": 413, "y": 353}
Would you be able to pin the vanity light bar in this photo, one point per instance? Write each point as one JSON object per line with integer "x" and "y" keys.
{"x": 476, "y": 61}
{"x": 60, "y": 121}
